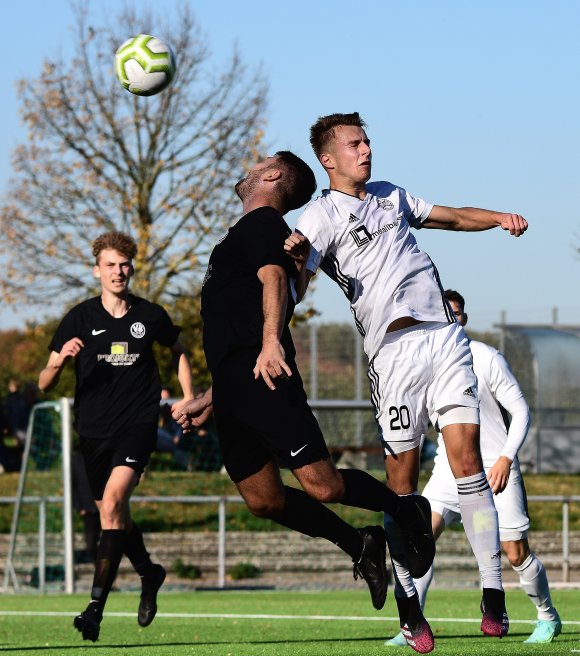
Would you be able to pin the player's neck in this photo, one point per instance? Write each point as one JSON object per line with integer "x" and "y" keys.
{"x": 117, "y": 305}
{"x": 348, "y": 186}
{"x": 261, "y": 200}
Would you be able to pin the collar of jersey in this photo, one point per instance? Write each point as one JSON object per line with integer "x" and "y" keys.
{"x": 338, "y": 191}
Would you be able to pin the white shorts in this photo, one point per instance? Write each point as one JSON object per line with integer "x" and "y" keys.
{"x": 416, "y": 373}
{"x": 511, "y": 504}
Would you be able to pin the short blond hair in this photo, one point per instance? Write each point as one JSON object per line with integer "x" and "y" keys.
{"x": 116, "y": 241}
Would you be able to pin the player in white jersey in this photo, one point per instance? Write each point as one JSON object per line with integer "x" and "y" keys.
{"x": 499, "y": 392}
{"x": 420, "y": 363}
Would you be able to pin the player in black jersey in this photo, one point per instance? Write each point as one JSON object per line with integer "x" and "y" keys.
{"x": 117, "y": 393}
{"x": 261, "y": 411}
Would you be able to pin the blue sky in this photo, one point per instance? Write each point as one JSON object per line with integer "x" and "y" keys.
{"x": 467, "y": 103}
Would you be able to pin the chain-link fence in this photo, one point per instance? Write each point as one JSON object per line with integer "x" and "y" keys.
{"x": 544, "y": 359}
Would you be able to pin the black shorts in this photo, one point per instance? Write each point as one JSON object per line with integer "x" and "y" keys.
{"x": 257, "y": 425}
{"x": 131, "y": 449}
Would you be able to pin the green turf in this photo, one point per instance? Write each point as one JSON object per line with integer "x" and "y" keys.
{"x": 358, "y": 629}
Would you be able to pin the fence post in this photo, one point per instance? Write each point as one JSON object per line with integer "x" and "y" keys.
{"x": 358, "y": 356}
{"x": 42, "y": 544}
{"x": 566, "y": 541}
{"x": 222, "y": 542}
{"x": 67, "y": 504}
{"x": 313, "y": 362}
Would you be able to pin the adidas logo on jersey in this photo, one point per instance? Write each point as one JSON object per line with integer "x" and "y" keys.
{"x": 352, "y": 218}
{"x": 469, "y": 392}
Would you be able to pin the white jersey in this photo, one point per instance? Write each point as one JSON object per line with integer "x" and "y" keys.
{"x": 367, "y": 247}
{"x": 495, "y": 385}
{"x": 498, "y": 390}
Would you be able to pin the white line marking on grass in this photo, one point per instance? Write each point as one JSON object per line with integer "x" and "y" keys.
{"x": 256, "y": 616}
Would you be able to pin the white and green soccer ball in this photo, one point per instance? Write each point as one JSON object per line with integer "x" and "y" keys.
{"x": 144, "y": 65}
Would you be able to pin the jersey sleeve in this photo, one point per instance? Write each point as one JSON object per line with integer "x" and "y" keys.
{"x": 167, "y": 332}
{"x": 508, "y": 394}
{"x": 263, "y": 237}
{"x": 68, "y": 328}
{"x": 315, "y": 224}
{"x": 416, "y": 210}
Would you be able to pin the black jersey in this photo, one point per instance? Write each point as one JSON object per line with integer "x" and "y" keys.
{"x": 117, "y": 380}
{"x": 231, "y": 297}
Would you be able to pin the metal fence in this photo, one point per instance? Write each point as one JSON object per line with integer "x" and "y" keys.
{"x": 221, "y": 502}
{"x": 544, "y": 359}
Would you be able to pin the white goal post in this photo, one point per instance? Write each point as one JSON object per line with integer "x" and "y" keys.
{"x": 48, "y": 447}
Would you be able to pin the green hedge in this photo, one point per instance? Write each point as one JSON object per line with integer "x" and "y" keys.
{"x": 204, "y": 517}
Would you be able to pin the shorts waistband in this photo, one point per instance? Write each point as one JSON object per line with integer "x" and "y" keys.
{"x": 418, "y": 329}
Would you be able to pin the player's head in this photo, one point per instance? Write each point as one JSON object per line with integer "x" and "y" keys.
{"x": 116, "y": 241}
{"x": 342, "y": 147}
{"x": 114, "y": 252}
{"x": 457, "y": 303}
{"x": 283, "y": 178}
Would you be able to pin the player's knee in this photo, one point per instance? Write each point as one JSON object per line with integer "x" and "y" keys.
{"x": 265, "y": 507}
{"x": 112, "y": 512}
{"x": 516, "y": 560}
{"x": 517, "y": 554}
{"x": 466, "y": 462}
{"x": 328, "y": 491}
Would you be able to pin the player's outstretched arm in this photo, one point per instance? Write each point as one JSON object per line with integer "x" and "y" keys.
{"x": 50, "y": 375}
{"x": 474, "y": 219}
{"x": 297, "y": 247}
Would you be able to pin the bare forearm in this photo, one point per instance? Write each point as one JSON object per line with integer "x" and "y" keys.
{"x": 184, "y": 376}
{"x": 48, "y": 378}
{"x": 302, "y": 282}
{"x": 474, "y": 219}
{"x": 467, "y": 219}
{"x": 274, "y": 303}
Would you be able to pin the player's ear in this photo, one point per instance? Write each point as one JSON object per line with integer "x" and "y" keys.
{"x": 326, "y": 160}
{"x": 465, "y": 317}
{"x": 271, "y": 175}
{"x": 96, "y": 271}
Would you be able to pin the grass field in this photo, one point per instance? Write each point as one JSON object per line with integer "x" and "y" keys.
{"x": 252, "y": 623}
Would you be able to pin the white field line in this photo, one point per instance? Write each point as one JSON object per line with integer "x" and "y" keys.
{"x": 255, "y": 616}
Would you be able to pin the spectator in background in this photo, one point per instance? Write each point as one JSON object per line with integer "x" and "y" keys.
{"x": 17, "y": 411}
{"x": 4, "y": 452}
{"x": 169, "y": 431}
{"x": 170, "y": 434}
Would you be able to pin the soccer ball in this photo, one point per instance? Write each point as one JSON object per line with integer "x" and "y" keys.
{"x": 144, "y": 65}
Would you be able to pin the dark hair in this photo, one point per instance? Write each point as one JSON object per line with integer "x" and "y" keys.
{"x": 116, "y": 241}
{"x": 298, "y": 182}
{"x": 323, "y": 130}
{"x": 452, "y": 295}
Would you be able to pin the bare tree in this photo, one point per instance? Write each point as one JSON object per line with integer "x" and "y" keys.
{"x": 97, "y": 158}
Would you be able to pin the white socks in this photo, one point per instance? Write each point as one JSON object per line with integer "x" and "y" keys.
{"x": 535, "y": 584}
{"x": 404, "y": 586}
{"x": 422, "y": 586}
{"x": 481, "y": 527}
